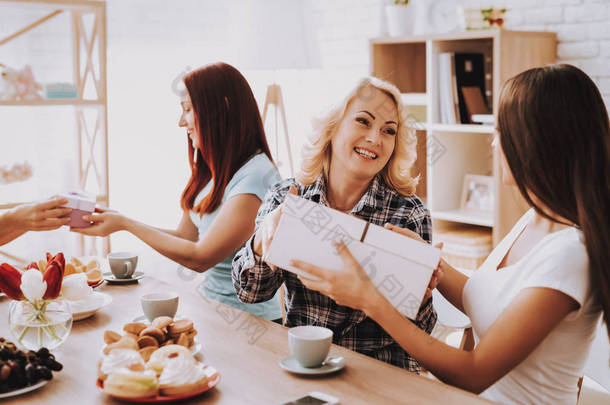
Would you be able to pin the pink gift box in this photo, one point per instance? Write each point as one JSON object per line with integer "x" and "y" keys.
{"x": 81, "y": 205}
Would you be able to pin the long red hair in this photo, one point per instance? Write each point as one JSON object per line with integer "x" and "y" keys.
{"x": 229, "y": 131}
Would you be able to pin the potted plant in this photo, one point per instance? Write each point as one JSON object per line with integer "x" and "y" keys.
{"x": 401, "y": 18}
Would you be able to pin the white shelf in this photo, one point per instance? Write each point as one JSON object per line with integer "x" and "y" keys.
{"x": 53, "y": 102}
{"x": 464, "y": 217}
{"x": 461, "y": 128}
{"x": 414, "y": 98}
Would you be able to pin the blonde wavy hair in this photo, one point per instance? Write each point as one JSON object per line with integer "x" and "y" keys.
{"x": 396, "y": 173}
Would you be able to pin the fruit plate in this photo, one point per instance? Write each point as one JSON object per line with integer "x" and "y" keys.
{"x": 23, "y": 390}
{"x": 85, "y": 308}
{"x": 214, "y": 379}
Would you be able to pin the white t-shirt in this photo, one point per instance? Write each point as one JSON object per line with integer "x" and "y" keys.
{"x": 549, "y": 375}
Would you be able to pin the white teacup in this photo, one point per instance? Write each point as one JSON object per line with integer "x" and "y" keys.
{"x": 309, "y": 345}
{"x": 159, "y": 304}
{"x": 123, "y": 264}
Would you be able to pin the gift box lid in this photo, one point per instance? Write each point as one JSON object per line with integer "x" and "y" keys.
{"x": 79, "y": 201}
{"x": 318, "y": 217}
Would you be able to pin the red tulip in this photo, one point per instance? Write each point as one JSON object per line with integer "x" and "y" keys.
{"x": 32, "y": 265}
{"x": 10, "y": 281}
{"x": 53, "y": 276}
{"x": 60, "y": 260}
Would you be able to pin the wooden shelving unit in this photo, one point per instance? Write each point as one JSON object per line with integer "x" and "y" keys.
{"x": 452, "y": 151}
{"x": 88, "y": 26}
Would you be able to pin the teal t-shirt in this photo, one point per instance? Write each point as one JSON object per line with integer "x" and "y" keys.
{"x": 254, "y": 177}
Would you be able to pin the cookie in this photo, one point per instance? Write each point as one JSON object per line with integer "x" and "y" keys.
{"x": 111, "y": 337}
{"x": 178, "y": 327}
{"x": 146, "y": 352}
{"x": 183, "y": 340}
{"x": 154, "y": 332}
{"x": 134, "y": 327}
{"x": 146, "y": 341}
{"x": 161, "y": 322}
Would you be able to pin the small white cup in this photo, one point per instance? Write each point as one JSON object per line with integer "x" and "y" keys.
{"x": 159, "y": 304}
{"x": 309, "y": 345}
{"x": 123, "y": 264}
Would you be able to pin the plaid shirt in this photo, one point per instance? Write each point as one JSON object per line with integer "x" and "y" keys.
{"x": 255, "y": 281}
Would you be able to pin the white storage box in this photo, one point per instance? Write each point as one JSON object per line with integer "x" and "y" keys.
{"x": 399, "y": 266}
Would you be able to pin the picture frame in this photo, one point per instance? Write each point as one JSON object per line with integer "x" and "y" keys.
{"x": 478, "y": 194}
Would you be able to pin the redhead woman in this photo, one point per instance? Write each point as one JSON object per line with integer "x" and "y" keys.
{"x": 536, "y": 301}
{"x": 231, "y": 169}
{"x": 359, "y": 162}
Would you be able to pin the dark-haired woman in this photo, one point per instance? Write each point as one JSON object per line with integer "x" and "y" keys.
{"x": 231, "y": 170}
{"x": 536, "y": 301}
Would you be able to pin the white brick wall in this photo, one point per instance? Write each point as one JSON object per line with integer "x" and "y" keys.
{"x": 582, "y": 27}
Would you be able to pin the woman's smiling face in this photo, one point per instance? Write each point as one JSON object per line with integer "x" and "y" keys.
{"x": 364, "y": 140}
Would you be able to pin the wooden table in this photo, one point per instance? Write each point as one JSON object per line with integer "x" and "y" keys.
{"x": 243, "y": 348}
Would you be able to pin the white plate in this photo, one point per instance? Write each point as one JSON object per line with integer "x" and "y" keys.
{"x": 24, "y": 390}
{"x": 85, "y": 308}
{"x": 330, "y": 365}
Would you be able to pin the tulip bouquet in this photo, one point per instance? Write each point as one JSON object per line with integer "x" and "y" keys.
{"x": 33, "y": 290}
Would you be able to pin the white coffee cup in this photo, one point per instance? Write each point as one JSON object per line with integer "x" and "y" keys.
{"x": 309, "y": 345}
{"x": 123, "y": 264}
{"x": 159, "y": 304}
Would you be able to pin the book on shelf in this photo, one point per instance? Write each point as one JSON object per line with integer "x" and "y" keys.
{"x": 448, "y": 89}
{"x": 462, "y": 79}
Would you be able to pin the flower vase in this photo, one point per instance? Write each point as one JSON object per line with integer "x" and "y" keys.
{"x": 43, "y": 323}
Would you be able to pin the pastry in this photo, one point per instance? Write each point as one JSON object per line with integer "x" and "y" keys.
{"x": 161, "y": 356}
{"x": 145, "y": 341}
{"x": 132, "y": 384}
{"x": 178, "y": 327}
{"x": 125, "y": 342}
{"x": 161, "y": 322}
{"x": 147, "y": 351}
{"x": 183, "y": 340}
{"x": 134, "y": 327}
{"x": 111, "y": 337}
{"x": 182, "y": 375}
{"x": 156, "y": 333}
{"x": 118, "y": 358}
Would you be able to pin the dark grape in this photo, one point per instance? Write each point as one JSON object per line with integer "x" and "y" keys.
{"x": 4, "y": 353}
{"x": 43, "y": 353}
{"x": 55, "y": 365}
{"x": 44, "y": 372}
{"x": 4, "y": 388}
{"x": 31, "y": 374}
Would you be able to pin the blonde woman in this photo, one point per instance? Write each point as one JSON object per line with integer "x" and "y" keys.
{"x": 358, "y": 163}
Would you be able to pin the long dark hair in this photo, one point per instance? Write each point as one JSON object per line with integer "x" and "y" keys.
{"x": 555, "y": 134}
{"x": 229, "y": 130}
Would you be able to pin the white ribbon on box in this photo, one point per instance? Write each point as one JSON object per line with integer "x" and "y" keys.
{"x": 399, "y": 266}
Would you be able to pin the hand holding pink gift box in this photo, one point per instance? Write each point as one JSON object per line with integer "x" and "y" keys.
{"x": 81, "y": 205}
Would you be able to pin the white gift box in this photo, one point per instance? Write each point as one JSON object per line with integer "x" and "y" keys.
{"x": 399, "y": 266}
{"x": 81, "y": 205}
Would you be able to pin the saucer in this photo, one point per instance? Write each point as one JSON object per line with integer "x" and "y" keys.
{"x": 330, "y": 365}
{"x": 110, "y": 278}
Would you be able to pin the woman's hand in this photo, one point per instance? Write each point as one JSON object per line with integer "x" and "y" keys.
{"x": 104, "y": 223}
{"x": 264, "y": 235}
{"x": 40, "y": 216}
{"x": 438, "y": 273}
{"x": 349, "y": 286}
